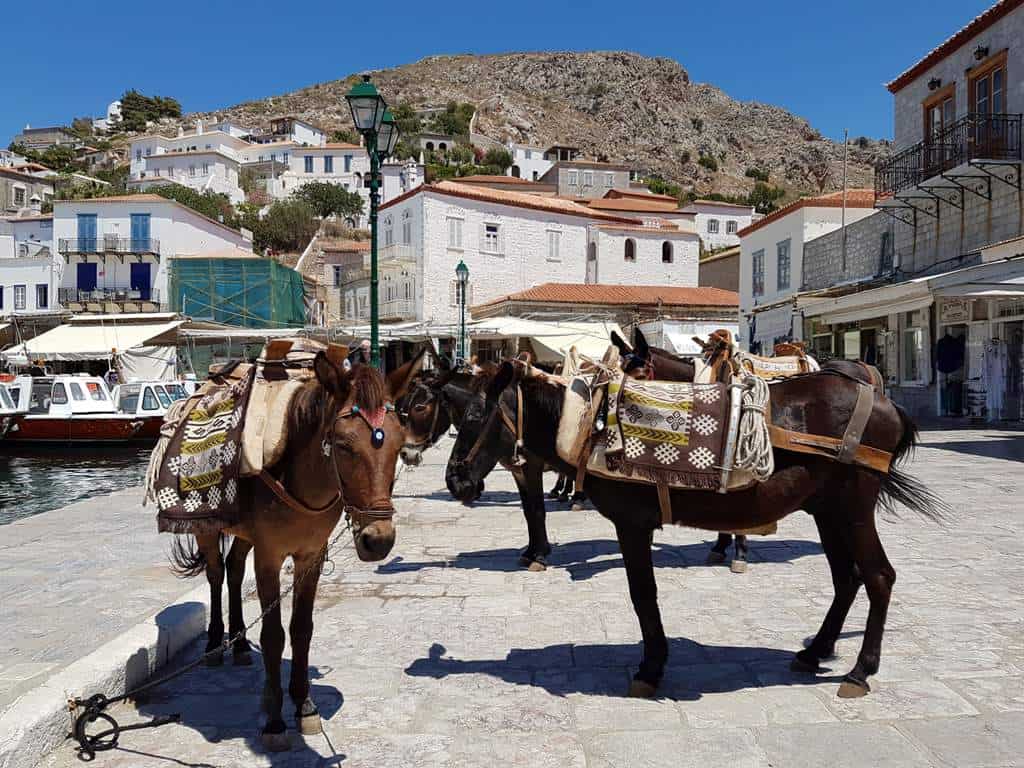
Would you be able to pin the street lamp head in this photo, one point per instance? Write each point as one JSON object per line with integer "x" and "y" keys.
{"x": 462, "y": 273}
{"x": 367, "y": 106}
{"x": 387, "y": 137}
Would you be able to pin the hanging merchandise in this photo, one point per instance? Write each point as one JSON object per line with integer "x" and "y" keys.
{"x": 994, "y": 374}
{"x": 949, "y": 353}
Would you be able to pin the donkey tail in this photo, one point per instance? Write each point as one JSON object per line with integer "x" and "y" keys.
{"x": 899, "y": 487}
{"x": 187, "y": 559}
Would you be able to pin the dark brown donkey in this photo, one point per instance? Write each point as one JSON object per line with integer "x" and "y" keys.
{"x": 331, "y": 466}
{"x": 841, "y": 497}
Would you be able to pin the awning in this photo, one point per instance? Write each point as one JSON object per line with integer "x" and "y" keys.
{"x": 676, "y": 336}
{"x": 855, "y": 315}
{"x": 92, "y": 340}
{"x": 551, "y": 339}
{"x": 772, "y": 324}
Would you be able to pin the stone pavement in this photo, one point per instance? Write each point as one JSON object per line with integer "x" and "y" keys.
{"x": 75, "y": 578}
{"x": 449, "y": 655}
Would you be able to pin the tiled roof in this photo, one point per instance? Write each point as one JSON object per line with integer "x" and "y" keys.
{"x": 634, "y": 204}
{"x": 336, "y": 145}
{"x": 33, "y": 217}
{"x": 516, "y": 199}
{"x": 622, "y": 295}
{"x": 145, "y": 198}
{"x": 332, "y": 244}
{"x": 976, "y": 26}
{"x": 855, "y": 198}
{"x": 494, "y": 179}
{"x": 656, "y": 225}
{"x": 722, "y": 204}
{"x": 611, "y": 194}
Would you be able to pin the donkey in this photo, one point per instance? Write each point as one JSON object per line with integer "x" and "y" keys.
{"x": 333, "y": 464}
{"x": 841, "y": 497}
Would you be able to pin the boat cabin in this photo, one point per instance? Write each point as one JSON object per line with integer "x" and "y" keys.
{"x": 147, "y": 398}
{"x": 61, "y": 395}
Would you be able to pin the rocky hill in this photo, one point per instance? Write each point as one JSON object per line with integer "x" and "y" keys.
{"x": 615, "y": 106}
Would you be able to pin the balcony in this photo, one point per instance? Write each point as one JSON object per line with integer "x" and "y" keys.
{"x": 960, "y": 158}
{"x": 396, "y": 310}
{"x": 109, "y": 300}
{"x": 108, "y": 245}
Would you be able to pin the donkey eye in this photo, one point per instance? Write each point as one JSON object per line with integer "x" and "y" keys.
{"x": 420, "y": 407}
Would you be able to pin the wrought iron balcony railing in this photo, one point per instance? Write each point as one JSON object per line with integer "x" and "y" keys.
{"x": 973, "y": 137}
{"x": 99, "y": 295}
{"x": 106, "y": 244}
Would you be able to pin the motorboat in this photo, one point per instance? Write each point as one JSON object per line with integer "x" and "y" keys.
{"x": 9, "y": 411}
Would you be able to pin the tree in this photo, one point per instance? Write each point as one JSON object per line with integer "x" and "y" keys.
{"x": 82, "y": 127}
{"x": 137, "y": 109}
{"x": 765, "y": 197}
{"x": 288, "y": 226}
{"x": 345, "y": 136}
{"x": 213, "y": 205}
{"x": 407, "y": 120}
{"x": 454, "y": 121}
{"x": 500, "y": 158}
{"x": 326, "y": 199}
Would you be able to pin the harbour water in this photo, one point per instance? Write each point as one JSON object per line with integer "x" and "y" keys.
{"x": 34, "y": 480}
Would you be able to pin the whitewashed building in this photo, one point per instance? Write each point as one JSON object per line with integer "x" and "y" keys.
{"x": 528, "y": 162}
{"x": 116, "y": 250}
{"x": 511, "y": 241}
{"x": 29, "y": 271}
{"x": 719, "y": 223}
{"x": 771, "y": 262}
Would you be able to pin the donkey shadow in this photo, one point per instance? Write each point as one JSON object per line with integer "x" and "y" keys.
{"x": 588, "y": 558}
{"x": 224, "y": 704}
{"x": 605, "y": 669}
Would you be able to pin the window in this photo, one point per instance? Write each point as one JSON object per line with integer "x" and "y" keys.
{"x": 939, "y": 112}
{"x": 782, "y": 273}
{"x": 406, "y": 228}
{"x": 491, "y": 239}
{"x": 42, "y": 296}
{"x": 308, "y": 160}
{"x": 19, "y": 297}
{"x": 191, "y": 170}
{"x": 206, "y": 169}
{"x": 713, "y": 226}
{"x": 149, "y": 151}
{"x": 163, "y": 397}
{"x": 588, "y": 178}
{"x": 348, "y": 163}
{"x": 1, "y": 297}
{"x": 455, "y": 233}
{"x": 138, "y": 155}
{"x": 666, "y": 252}
{"x": 913, "y": 349}
{"x": 328, "y": 163}
{"x": 149, "y": 402}
{"x": 453, "y": 294}
{"x": 988, "y": 86}
{"x": 731, "y": 227}
{"x": 572, "y": 178}
{"x": 529, "y": 154}
{"x": 609, "y": 180}
{"x": 76, "y": 391}
{"x": 389, "y": 231}
{"x": 19, "y": 196}
{"x": 60, "y": 394}
{"x": 337, "y": 276}
{"x": 554, "y": 246}
{"x": 95, "y": 391}
{"x": 757, "y": 273}
{"x": 629, "y": 251}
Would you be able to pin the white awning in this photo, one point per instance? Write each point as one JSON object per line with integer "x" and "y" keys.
{"x": 878, "y": 310}
{"x": 551, "y": 339}
{"x": 78, "y": 341}
{"x": 676, "y": 336}
{"x": 772, "y": 324}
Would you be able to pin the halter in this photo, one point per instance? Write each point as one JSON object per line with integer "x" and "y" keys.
{"x": 327, "y": 446}
{"x": 403, "y": 416}
{"x": 514, "y": 426}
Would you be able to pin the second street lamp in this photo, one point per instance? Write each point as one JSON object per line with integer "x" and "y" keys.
{"x": 375, "y": 122}
{"x": 462, "y": 275}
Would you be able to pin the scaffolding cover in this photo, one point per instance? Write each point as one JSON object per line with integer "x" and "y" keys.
{"x": 248, "y": 293}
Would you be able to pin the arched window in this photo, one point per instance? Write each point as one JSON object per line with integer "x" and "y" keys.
{"x": 515, "y": 171}
{"x": 666, "y": 252}
{"x": 430, "y": 146}
{"x": 442, "y": 146}
{"x": 630, "y": 251}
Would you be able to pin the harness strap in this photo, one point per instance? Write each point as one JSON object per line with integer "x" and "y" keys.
{"x": 821, "y": 445}
{"x": 278, "y": 489}
{"x": 858, "y": 420}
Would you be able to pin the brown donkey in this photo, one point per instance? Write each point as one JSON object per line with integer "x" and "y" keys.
{"x": 333, "y": 464}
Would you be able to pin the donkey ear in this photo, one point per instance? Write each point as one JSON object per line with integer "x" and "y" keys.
{"x": 506, "y": 375}
{"x": 329, "y": 375}
{"x": 400, "y": 379}
{"x": 619, "y": 342}
{"x": 640, "y": 349}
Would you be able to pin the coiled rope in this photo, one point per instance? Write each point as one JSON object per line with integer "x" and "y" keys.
{"x": 754, "y": 445}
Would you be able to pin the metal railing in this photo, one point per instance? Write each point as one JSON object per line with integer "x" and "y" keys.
{"x": 398, "y": 309}
{"x": 106, "y": 244}
{"x": 116, "y": 295}
{"x": 972, "y": 137}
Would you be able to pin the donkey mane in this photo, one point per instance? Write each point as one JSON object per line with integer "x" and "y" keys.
{"x": 313, "y": 403}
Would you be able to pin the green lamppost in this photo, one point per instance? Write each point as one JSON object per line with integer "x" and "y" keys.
{"x": 374, "y": 121}
{"x": 462, "y": 275}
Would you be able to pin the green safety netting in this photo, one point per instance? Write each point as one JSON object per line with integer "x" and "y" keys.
{"x": 251, "y": 293}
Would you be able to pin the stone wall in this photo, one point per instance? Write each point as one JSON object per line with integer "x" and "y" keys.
{"x": 721, "y": 272}
{"x": 869, "y": 252}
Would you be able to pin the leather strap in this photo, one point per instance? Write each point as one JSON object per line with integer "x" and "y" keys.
{"x": 281, "y": 492}
{"x": 801, "y": 442}
{"x": 665, "y": 502}
{"x": 858, "y": 421}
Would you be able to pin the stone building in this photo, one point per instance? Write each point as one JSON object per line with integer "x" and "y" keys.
{"x": 721, "y": 270}
{"x": 586, "y": 178}
{"x": 22, "y": 192}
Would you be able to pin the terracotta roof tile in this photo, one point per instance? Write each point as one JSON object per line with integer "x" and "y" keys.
{"x": 492, "y": 178}
{"x": 855, "y": 198}
{"x": 634, "y": 204}
{"x": 723, "y": 204}
{"x": 622, "y": 295}
{"x": 611, "y": 194}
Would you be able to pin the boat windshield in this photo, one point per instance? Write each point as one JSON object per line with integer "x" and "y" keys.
{"x": 39, "y": 402}
{"x": 5, "y": 399}
{"x": 176, "y": 391}
{"x": 95, "y": 391}
{"x": 165, "y": 399}
{"x": 128, "y": 398}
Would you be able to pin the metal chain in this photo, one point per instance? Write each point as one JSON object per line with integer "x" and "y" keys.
{"x": 93, "y": 707}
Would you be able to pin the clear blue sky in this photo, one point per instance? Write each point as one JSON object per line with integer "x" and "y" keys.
{"x": 825, "y": 60}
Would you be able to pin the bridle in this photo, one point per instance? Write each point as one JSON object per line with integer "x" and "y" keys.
{"x": 513, "y": 424}
{"x": 355, "y": 515}
{"x": 411, "y": 401}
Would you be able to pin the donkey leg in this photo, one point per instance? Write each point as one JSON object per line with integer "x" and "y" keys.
{"x": 739, "y": 562}
{"x": 536, "y": 514}
{"x": 209, "y": 545}
{"x": 879, "y": 577}
{"x": 635, "y": 544}
{"x": 555, "y": 492}
{"x": 307, "y": 575}
{"x": 268, "y": 584}
{"x": 845, "y": 583}
{"x": 236, "y": 622}
{"x": 717, "y": 553}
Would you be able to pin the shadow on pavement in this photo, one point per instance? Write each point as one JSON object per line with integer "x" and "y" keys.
{"x": 579, "y": 558}
{"x": 605, "y": 669}
{"x": 1006, "y": 446}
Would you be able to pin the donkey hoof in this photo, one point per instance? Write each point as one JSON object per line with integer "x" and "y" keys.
{"x": 276, "y": 742}
{"x": 525, "y": 560}
{"x": 715, "y": 557}
{"x": 214, "y": 659}
{"x": 310, "y": 725}
{"x": 852, "y": 688}
{"x": 640, "y": 689}
{"x": 577, "y": 506}
{"x": 738, "y": 566}
{"x": 536, "y": 566}
{"x": 804, "y": 665}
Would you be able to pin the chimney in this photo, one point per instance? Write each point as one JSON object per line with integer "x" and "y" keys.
{"x": 199, "y": 127}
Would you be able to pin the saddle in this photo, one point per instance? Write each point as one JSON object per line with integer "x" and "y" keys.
{"x": 722, "y": 356}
